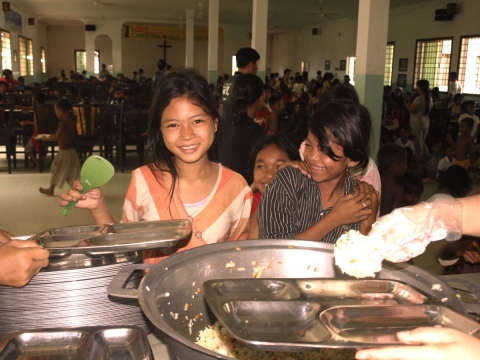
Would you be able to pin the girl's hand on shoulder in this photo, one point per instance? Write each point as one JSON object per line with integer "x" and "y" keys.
{"x": 90, "y": 200}
{"x": 372, "y": 195}
{"x": 352, "y": 208}
{"x": 300, "y": 165}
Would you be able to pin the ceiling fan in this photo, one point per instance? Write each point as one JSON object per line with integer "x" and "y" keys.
{"x": 200, "y": 15}
{"x": 328, "y": 16}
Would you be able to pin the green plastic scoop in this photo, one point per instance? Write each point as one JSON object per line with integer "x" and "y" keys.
{"x": 96, "y": 171}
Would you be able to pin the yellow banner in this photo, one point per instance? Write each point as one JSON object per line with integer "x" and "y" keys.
{"x": 147, "y": 32}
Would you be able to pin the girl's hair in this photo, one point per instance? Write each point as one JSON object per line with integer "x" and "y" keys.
{"x": 346, "y": 124}
{"x": 189, "y": 84}
{"x": 64, "y": 105}
{"x": 248, "y": 88}
{"x": 295, "y": 127}
{"x": 457, "y": 181}
{"x": 282, "y": 141}
{"x": 390, "y": 154}
{"x": 424, "y": 85}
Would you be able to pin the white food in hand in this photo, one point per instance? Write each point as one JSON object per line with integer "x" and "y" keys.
{"x": 359, "y": 255}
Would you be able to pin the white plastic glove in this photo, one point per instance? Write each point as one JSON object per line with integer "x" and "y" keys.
{"x": 407, "y": 231}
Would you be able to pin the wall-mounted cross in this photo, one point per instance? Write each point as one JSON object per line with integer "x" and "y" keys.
{"x": 165, "y": 46}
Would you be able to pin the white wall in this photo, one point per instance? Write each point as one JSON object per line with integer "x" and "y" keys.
{"x": 61, "y": 45}
{"x": 37, "y": 33}
{"x": 406, "y": 25}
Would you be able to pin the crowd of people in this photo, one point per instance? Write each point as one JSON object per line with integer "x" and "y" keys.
{"x": 287, "y": 158}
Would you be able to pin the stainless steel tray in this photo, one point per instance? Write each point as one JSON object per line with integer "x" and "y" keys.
{"x": 114, "y": 238}
{"x": 120, "y": 343}
{"x": 300, "y": 314}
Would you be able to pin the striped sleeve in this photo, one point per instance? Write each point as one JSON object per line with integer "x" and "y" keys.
{"x": 277, "y": 212}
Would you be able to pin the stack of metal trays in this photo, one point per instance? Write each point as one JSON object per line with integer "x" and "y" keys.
{"x": 71, "y": 290}
{"x": 124, "y": 343}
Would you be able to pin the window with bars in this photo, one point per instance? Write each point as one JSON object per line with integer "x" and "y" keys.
{"x": 6, "y": 50}
{"x": 22, "y": 49}
{"x": 387, "y": 73}
{"x": 81, "y": 61}
{"x": 469, "y": 64}
{"x": 43, "y": 61}
{"x": 30, "y": 57}
{"x": 432, "y": 62}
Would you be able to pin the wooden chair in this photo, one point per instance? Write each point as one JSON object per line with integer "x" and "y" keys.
{"x": 49, "y": 124}
{"x": 90, "y": 129}
{"x": 123, "y": 132}
{"x": 7, "y": 135}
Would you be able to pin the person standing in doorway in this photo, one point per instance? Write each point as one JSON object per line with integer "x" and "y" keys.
{"x": 247, "y": 63}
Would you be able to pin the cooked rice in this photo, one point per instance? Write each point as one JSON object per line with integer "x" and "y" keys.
{"x": 359, "y": 255}
{"x": 218, "y": 339}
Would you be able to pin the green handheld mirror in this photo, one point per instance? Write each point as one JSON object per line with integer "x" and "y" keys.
{"x": 96, "y": 171}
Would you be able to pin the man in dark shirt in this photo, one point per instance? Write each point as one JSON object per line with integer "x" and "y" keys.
{"x": 247, "y": 63}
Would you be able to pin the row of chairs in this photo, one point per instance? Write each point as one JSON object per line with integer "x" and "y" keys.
{"x": 107, "y": 129}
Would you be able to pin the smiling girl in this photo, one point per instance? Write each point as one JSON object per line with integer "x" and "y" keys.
{"x": 329, "y": 202}
{"x": 182, "y": 179}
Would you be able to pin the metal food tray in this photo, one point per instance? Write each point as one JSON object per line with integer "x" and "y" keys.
{"x": 300, "y": 314}
{"x": 114, "y": 238}
{"x": 120, "y": 343}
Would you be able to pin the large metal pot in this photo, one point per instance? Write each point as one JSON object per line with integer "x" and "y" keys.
{"x": 169, "y": 286}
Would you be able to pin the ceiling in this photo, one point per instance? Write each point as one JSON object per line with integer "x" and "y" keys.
{"x": 282, "y": 13}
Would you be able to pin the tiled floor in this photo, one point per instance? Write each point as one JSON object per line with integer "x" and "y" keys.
{"x": 24, "y": 210}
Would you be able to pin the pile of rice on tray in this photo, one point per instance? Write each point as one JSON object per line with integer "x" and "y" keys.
{"x": 218, "y": 339}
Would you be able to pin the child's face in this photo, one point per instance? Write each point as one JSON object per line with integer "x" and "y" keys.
{"x": 436, "y": 149}
{"x": 400, "y": 168}
{"x": 3, "y": 88}
{"x": 458, "y": 101}
{"x": 325, "y": 169}
{"x": 266, "y": 95}
{"x": 470, "y": 109}
{"x": 277, "y": 106}
{"x": 118, "y": 94}
{"x": 450, "y": 152}
{"x": 267, "y": 163}
{"x": 411, "y": 199}
{"x": 404, "y": 134}
{"x": 188, "y": 132}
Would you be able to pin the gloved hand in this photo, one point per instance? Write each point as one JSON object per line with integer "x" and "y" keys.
{"x": 407, "y": 231}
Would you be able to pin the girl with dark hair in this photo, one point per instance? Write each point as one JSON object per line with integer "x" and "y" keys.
{"x": 248, "y": 99}
{"x": 328, "y": 202}
{"x": 268, "y": 156}
{"x": 65, "y": 165}
{"x": 419, "y": 110}
{"x": 182, "y": 179}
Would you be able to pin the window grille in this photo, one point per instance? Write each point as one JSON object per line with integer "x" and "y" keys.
{"x": 432, "y": 62}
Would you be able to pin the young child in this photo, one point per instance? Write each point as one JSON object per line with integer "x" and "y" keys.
{"x": 271, "y": 123}
{"x": 465, "y": 146}
{"x": 404, "y": 140}
{"x": 269, "y": 155}
{"x": 392, "y": 163}
{"x": 412, "y": 188}
{"x": 182, "y": 179}
{"x": 327, "y": 202}
{"x": 456, "y": 106}
{"x": 435, "y": 156}
{"x": 445, "y": 163}
{"x": 469, "y": 111}
{"x": 65, "y": 165}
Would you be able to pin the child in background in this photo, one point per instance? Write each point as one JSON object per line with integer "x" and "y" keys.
{"x": 66, "y": 165}
{"x": 435, "y": 156}
{"x": 464, "y": 146}
{"x": 271, "y": 123}
{"x": 261, "y": 117}
{"x": 183, "y": 179}
{"x": 412, "y": 186}
{"x": 469, "y": 112}
{"x": 445, "y": 163}
{"x": 392, "y": 163}
{"x": 268, "y": 156}
{"x": 456, "y": 106}
{"x": 404, "y": 140}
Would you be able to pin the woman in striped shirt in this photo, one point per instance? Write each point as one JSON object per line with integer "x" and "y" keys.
{"x": 327, "y": 202}
{"x": 183, "y": 179}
